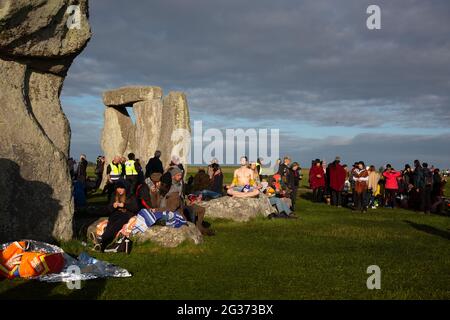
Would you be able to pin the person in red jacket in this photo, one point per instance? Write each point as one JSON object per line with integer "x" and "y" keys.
{"x": 317, "y": 179}
{"x": 337, "y": 181}
{"x": 391, "y": 185}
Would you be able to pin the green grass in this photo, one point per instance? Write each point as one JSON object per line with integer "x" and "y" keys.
{"x": 323, "y": 255}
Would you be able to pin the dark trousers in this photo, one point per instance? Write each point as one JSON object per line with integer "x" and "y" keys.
{"x": 109, "y": 189}
{"x": 294, "y": 196}
{"x": 318, "y": 194}
{"x": 425, "y": 199}
{"x": 360, "y": 201}
{"x": 390, "y": 195}
{"x": 132, "y": 181}
{"x": 98, "y": 180}
{"x": 115, "y": 222}
{"x": 336, "y": 197}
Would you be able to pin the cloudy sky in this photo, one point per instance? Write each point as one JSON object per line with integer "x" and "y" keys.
{"x": 309, "y": 68}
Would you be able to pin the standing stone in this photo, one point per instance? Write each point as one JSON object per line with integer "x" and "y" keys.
{"x": 36, "y": 50}
{"x": 148, "y": 133}
{"x": 175, "y": 117}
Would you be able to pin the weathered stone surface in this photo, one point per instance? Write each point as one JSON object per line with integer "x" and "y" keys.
{"x": 176, "y": 127}
{"x": 118, "y": 133}
{"x": 128, "y": 95}
{"x": 148, "y": 132}
{"x": 237, "y": 209}
{"x": 164, "y": 236}
{"x": 161, "y": 124}
{"x": 171, "y": 237}
{"x": 36, "y": 49}
{"x": 35, "y": 33}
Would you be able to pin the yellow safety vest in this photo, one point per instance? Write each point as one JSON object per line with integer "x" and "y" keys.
{"x": 116, "y": 171}
{"x": 130, "y": 170}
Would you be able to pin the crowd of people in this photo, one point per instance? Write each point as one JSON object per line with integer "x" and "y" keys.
{"x": 157, "y": 188}
{"x": 419, "y": 188}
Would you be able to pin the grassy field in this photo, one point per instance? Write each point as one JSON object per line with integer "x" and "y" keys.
{"x": 322, "y": 255}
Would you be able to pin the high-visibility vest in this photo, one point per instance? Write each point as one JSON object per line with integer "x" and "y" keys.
{"x": 116, "y": 171}
{"x": 130, "y": 170}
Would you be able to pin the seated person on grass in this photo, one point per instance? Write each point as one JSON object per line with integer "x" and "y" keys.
{"x": 243, "y": 185}
{"x": 281, "y": 190}
{"x": 275, "y": 199}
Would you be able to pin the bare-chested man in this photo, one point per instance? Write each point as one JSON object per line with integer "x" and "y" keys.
{"x": 243, "y": 184}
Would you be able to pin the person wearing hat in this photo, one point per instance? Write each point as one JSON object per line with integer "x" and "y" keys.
{"x": 173, "y": 201}
{"x": 176, "y": 162}
{"x": 147, "y": 192}
{"x": 317, "y": 180}
{"x": 337, "y": 175}
{"x": 122, "y": 207}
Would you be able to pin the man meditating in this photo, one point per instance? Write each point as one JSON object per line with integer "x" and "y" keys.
{"x": 243, "y": 184}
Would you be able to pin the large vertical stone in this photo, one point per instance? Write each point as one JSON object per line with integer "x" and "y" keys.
{"x": 36, "y": 50}
{"x": 148, "y": 128}
{"x": 175, "y": 117}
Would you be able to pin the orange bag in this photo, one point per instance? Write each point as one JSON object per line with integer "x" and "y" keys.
{"x": 17, "y": 262}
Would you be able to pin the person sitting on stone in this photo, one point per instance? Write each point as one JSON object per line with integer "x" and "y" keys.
{"x": 254, "y": 167}
{"x": 201, "y": 181}
{"x": 176, "y": 162}
{"x": 216, "y": 181}
{"x": 122, "y": 207}
{"x": 201, "y": 186}
{"x": 147, "y": 192}
{"x": 173, "y": 200}
{"x": 243, "y": 184}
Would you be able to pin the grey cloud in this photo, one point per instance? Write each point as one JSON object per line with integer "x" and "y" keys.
{"x": 309, "y": 61}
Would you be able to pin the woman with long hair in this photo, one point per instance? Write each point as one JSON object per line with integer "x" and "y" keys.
{"x": 122, "y": 207}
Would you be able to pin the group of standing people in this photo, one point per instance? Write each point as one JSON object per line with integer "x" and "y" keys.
{"x": 419, "y": 188}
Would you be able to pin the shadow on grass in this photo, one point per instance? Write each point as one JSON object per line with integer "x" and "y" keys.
{"x": 33, "y": 289}
{"x": 429, "y": 229}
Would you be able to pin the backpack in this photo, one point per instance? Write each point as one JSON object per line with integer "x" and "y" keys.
{"x": 123, "y": 244}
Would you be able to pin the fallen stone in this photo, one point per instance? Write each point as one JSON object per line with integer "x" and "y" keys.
{"x": 237, "y": 209}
